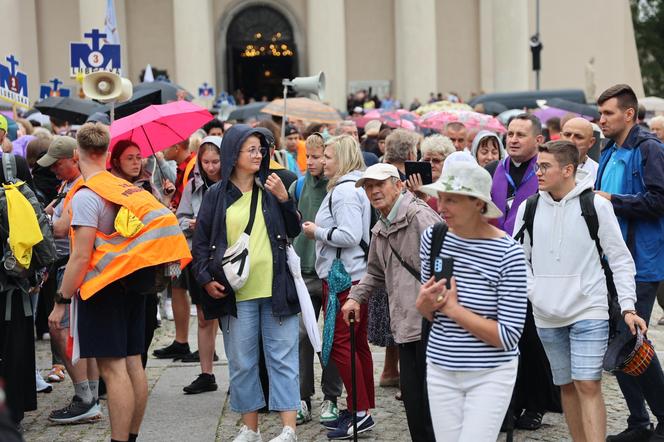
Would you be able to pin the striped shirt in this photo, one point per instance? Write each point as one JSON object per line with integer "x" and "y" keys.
{"x": 491, "y": 282}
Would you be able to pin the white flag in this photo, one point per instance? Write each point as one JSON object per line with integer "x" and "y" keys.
{"x": 148, "y": 77}
{"x": 110, "y": 25}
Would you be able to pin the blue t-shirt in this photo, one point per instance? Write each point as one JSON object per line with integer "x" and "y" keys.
{"x": 614, "y": 173}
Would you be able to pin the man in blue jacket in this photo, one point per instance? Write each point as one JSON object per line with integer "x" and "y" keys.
{"x": 631, "y": 176}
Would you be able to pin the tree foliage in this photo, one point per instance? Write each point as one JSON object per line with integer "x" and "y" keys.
{"x": 648, "y": 19}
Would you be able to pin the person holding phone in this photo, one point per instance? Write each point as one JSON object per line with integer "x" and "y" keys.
{"x": 472, "y": 352}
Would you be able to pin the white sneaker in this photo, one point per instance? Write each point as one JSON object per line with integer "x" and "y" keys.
{"x": 246, "y": 435}
{"x": 42, "y": 385}
{"x": 287, "y": 435}
{"x": 168, "y": 309}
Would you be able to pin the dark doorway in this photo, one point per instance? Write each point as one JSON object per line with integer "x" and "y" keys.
{"x": 260, "y": 53}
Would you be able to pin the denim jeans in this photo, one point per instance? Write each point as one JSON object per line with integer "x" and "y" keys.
{"x": 280, "y": 344}
{"x": 650, "y": 385}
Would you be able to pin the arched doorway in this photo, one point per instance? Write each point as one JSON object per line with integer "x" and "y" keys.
{"x": 260, "y": 52}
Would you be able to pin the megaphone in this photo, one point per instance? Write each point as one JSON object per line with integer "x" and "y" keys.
{"x": 314, "y": 84}
{"x": 107, "y": 86}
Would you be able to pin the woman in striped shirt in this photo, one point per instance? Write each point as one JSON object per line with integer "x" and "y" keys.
{"x": 472, "y": 354}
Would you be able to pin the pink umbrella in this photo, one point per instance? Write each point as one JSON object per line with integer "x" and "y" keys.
{"x": 160, "y": 126}
{"x": 396, "y": 118}
{"x": 437, "y": 120}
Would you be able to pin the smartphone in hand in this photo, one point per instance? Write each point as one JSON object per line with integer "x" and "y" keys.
{"x": 444, "y": 269}
{"x": 421, "y": 167}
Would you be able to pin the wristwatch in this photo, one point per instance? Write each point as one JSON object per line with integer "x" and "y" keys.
{"x": 59, "y": 299}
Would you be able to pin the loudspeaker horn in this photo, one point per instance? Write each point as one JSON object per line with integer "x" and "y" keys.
{"x": 314, "y": 84}
{"x": 107, "y": 86}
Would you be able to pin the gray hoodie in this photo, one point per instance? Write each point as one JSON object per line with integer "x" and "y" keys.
{"x": 344, "y": 228}
{"x": 484, "y": 134}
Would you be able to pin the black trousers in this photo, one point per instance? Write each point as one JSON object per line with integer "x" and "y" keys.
{"x": 413, "y": 379}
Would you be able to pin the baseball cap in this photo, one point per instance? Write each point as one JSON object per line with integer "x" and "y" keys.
{"x": 60, "y": 148}
{"x": 290, "y": 130}
{"x": 3, "y": 123}
{"x": 465, "y": 178}
{"x": 379, "y": 172}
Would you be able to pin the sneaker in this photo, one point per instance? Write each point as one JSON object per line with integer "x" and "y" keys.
{"x": 287, "y": 435}
{"x": 303, "y": 414}
{"x": 194, "y": 357}
{"x": 632, "y": 435}
{"x": 246, "y": 435}
{"x": 42, "y": 386}
{"x": 204, "y": 382}
{"x": 334, "y": 424}
{"x": 57, "y": 373}
{"x": 175, "y": 350}
{"x": 345, "y": 429}
{"x": 328, "y": 412}
{"x": 76, "y": 411}
{"x": 168, "y": 309}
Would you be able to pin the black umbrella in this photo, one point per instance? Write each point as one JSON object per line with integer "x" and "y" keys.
{"x": 71, "y": 109}
{"x": 583, "y": 109}
{"x": 169, "y": 91}
{"x": 247, "y": 111}
{"x": 494, "y": 108}
{"x": 138, "y": 101}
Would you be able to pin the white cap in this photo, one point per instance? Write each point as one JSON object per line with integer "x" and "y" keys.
{"x": 379, "y": 172}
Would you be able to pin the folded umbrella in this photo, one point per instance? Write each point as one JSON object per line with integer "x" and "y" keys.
{"x": 71, "y": 109}
{"x": 158, "y": 127}
{"x": 338, "y": 280}
{"x": 301, "y": 108}
{"x": 306, "y": 307}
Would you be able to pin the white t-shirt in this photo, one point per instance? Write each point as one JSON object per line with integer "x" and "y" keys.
{"x": 591, "y": 167}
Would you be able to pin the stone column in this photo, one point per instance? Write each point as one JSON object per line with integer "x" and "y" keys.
{"x": 416, "y": 52}
{"x": 194, "y": 44}
{"x": 326, "y": 43}
{"x": 504, "y": 51}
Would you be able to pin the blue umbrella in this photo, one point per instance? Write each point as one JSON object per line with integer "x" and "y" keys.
{"x": 338, "y": 280}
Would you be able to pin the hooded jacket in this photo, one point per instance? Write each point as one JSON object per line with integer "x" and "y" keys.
{"x": 567, "y": 282}
{"x": 485, "y": 134}
{"x": 210, "y": 238}
{"x": 640, "y": 204}
{"x": 190, "y": 202}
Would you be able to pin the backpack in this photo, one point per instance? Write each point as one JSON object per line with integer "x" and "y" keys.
{"x": 372, "y": 222}
{"x": 44, "y": 253}
{"x": 298, "y": 188}
{"x": 589, "y": 214}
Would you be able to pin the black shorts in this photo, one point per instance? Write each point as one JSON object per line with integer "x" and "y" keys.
{"x": 188, "y": 282}
{"x": 111, "y": 324}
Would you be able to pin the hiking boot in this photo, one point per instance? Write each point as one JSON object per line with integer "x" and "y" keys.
{"x": 287, "y": 435}
{"x": 635, "y": 434}
{"x": 328, "y": 412}
{"x": 76, "y": 411}
{"x": 175, "y": 350}
{"x": 195, "y": 357}
{"x": 42, "y": 386}
{"x": 303, "y": 414}
{"x": 246, "y": 435}
{"x": 345, "y": 429}
{"x": 57, "y": 373}
{"x": 204, "y": 382}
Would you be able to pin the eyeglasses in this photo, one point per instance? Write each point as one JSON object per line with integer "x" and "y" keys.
{"x": 541, "y": 168}
{"x": 254, "y": 153}
{"x": 433, "y": 160}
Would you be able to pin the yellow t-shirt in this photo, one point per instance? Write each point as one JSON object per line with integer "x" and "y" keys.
{"x": 259, "y": 283}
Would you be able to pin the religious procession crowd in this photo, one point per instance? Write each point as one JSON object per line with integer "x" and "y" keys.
{"x": 503, "y": 271}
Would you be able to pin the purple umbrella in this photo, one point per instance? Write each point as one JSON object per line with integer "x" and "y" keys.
{"x": 547, "y": 113}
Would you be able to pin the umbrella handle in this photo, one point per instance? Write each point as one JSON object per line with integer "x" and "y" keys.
{"x": 351, "y": 320}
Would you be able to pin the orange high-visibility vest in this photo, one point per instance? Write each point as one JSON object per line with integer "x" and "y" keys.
{"x": 159, "y": 241}
{"x": 301, "y": 157}
{"x": 187, "y": 171}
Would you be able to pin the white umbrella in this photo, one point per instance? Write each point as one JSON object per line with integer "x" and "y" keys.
{"x": 307, "y": 308}
{"x": 655, "y": 104}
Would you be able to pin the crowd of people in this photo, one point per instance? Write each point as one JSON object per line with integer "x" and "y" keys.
{"x": 497, "y": 287}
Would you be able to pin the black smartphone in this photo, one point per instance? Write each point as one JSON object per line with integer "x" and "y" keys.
{"x": 421, "y": 167}
{"x": 443, "y": 269}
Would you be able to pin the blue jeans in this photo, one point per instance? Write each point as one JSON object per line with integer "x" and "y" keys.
{"x": 576, "y": 351}
{"x": 650, "y": 385}
{"x": 280, "y": 344}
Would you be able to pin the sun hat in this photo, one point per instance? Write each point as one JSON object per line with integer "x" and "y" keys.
{"x": 379, "y": 172}
{"x": 630, "y": 354}
{"x": 60, "y": 148}
{"x": 465, "y": 178}
{"x": 372, "y": 128}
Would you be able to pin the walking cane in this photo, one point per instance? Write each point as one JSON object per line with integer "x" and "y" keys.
{"x": 351, "y": 320}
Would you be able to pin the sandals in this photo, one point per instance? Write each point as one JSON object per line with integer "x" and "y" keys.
{"x": 529, "y": 420}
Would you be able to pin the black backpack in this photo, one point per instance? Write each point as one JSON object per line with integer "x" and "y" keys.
{"x": 44, "y": 253}
{"x": 589, "y": 214}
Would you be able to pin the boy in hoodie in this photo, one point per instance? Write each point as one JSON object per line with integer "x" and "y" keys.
{"x": 568, "y": 291}
{"x": 308, "y": 192}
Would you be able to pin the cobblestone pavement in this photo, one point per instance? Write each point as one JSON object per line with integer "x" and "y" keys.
{"x": 175, "y": 414}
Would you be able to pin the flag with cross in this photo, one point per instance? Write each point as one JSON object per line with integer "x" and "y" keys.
{"x": 87, "y": 58}
{"x": 13, "y": 83}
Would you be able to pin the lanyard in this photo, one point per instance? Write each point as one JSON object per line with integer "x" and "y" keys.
{"x": 511, "y": 181}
